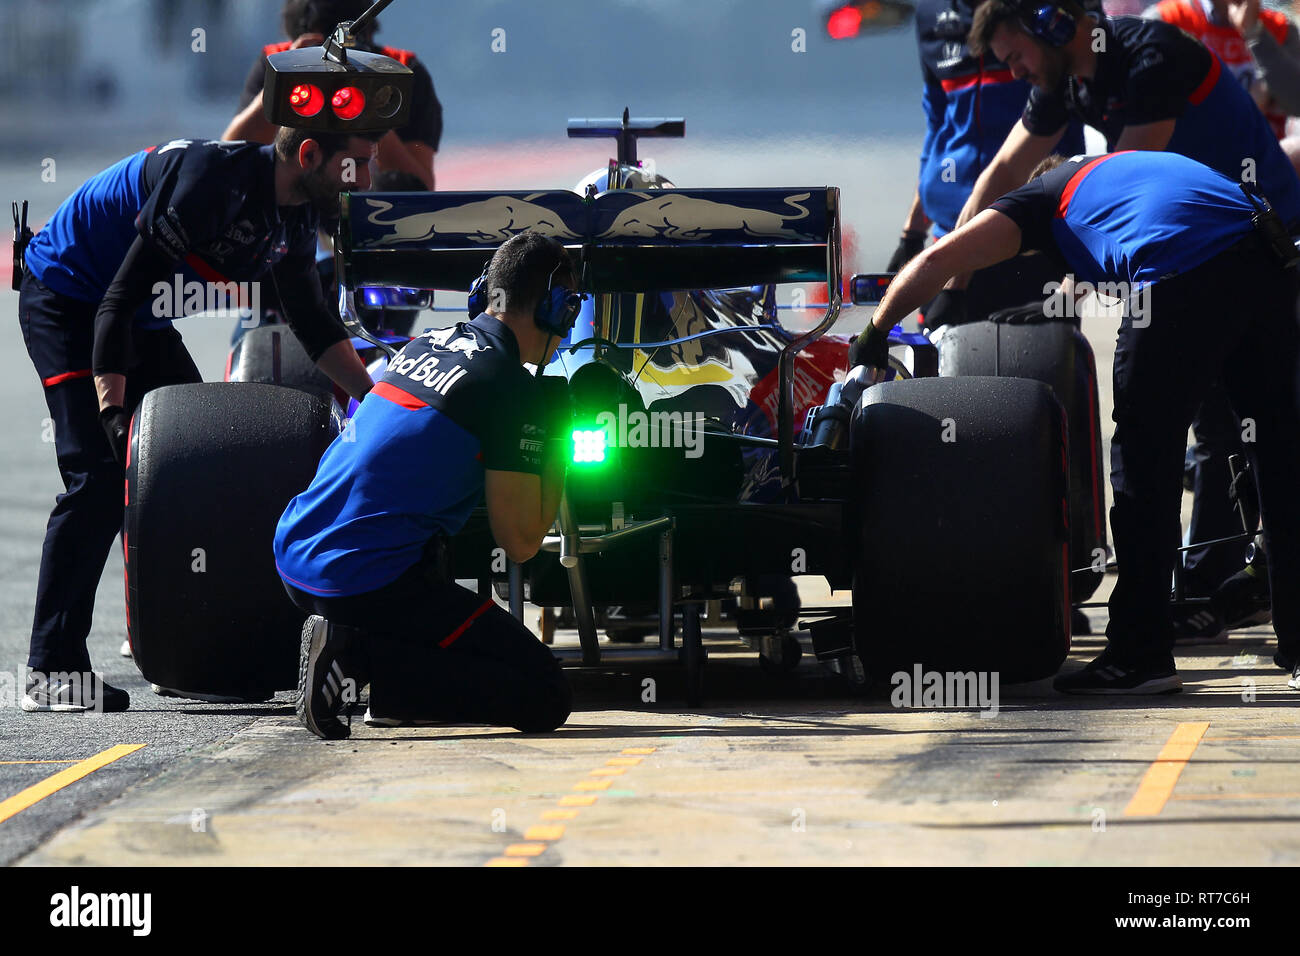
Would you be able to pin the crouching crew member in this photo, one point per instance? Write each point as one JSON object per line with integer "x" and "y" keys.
{"x": 100, "y": 335}
{"x": 1210, "y": 296}
{"x": 455, "y": 420}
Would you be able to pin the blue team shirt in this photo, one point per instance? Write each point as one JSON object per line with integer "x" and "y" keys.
{"x": 971, "y": 103}
{"x": 208, "y": 205}
{"x": 1149, "y": 71}
{"x": 1134, "y": 217}
{"x": 453, "y": 404}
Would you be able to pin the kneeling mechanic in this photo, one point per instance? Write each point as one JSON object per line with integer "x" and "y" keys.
{"x": 455, "y": 420}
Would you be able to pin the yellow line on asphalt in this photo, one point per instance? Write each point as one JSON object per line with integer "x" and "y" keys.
{"x": 34, "y": 794}
{"x": 525, "y": 849}
{"x": 1162, "y": 776}
{"x": 560, "y": 814}
{"x": 544, "y": 832}
{"x": 538, "y": 837}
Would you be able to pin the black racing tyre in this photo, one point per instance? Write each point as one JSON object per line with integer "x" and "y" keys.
{"x": 211, "y": 469}
{"x": 962, "y": 528}
{"x": 272, "y": 355}
{"x": 1058, "y": 354}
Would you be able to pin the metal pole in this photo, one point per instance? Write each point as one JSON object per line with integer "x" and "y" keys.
{"x": 666, "y": 588}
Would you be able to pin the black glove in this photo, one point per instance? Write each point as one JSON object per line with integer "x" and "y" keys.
{"x": 115, "y": 421}
{"x": 946, "y": 308}
{"x": 871, "y": 347}
{"x": 913, "y": 242}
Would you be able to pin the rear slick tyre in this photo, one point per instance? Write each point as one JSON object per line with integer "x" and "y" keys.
{"x": 210, "y": 471}
{"x": 962, "y": 523}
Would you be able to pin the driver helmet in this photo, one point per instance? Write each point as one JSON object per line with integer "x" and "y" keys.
{"x": 634, "y": 177}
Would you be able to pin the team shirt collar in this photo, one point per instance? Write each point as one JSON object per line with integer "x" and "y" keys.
{"x": 498, "y": 333}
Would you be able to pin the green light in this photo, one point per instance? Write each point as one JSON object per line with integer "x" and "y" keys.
{"x": 589, "y": 446}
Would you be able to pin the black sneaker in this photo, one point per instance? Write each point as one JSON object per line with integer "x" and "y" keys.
{"x": 328, "y": 680}
{"x": 1109, "y": 675}
{"x": 72, "y": 692}
{"x": 1244, "y": 600}
{"x": 1198, "y": 624}
{"x": 1079, "y": 623}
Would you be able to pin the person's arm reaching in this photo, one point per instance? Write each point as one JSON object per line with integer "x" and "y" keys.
{"x": 251, "y": 124}
{"x": 916, "y": 227}
{"x": 141, "y": 270}
{"x": 988, "y": 239}
{"x": 1279, "y": 64}
{"x": 409, "y": 156}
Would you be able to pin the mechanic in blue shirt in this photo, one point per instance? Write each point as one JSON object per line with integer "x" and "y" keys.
{"x": 971, "y": 102}
{"x": 1210, "y": 296}
{"x": 1145, "y": 84}
{"x": 456, "y": 419}
{"x": 96, "y": 306}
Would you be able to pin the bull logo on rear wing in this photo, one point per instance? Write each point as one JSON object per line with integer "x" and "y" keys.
{"x": 491, "y": 220}
{"x": 688, "y": 217}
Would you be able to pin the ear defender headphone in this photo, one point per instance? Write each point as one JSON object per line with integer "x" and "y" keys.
{"x": 556, "y": 310}
{"x": 1048, "y": 22}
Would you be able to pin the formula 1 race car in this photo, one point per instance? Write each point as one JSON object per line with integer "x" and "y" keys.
{"x": 713, "y": 450}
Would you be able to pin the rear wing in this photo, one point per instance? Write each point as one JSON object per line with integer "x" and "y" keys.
{"x": 622, "y": 241}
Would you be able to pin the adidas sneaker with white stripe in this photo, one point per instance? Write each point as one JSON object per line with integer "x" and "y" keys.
{"x": 1109, "y": 675}
{"x": 324, "y": 686}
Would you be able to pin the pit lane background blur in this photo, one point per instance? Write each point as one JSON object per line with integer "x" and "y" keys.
{"x": 85, "y": 83}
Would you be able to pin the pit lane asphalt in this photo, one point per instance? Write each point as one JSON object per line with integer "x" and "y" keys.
{"x": 168, "y": 728}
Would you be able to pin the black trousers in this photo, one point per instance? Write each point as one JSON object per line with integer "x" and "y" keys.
{"x": 1232, "y": 318}
{"x": 435, "y": 651}
{"x": 58, "y": 332}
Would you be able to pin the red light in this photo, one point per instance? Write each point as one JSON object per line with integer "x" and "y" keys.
{"x": 843, "y": 23}
{"x": 348, "y": 103}
{"x": 306, "y": 100}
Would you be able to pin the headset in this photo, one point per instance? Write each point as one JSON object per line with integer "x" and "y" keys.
{"x": 556, "y": 310}
{"x": 1048, "y": 22}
